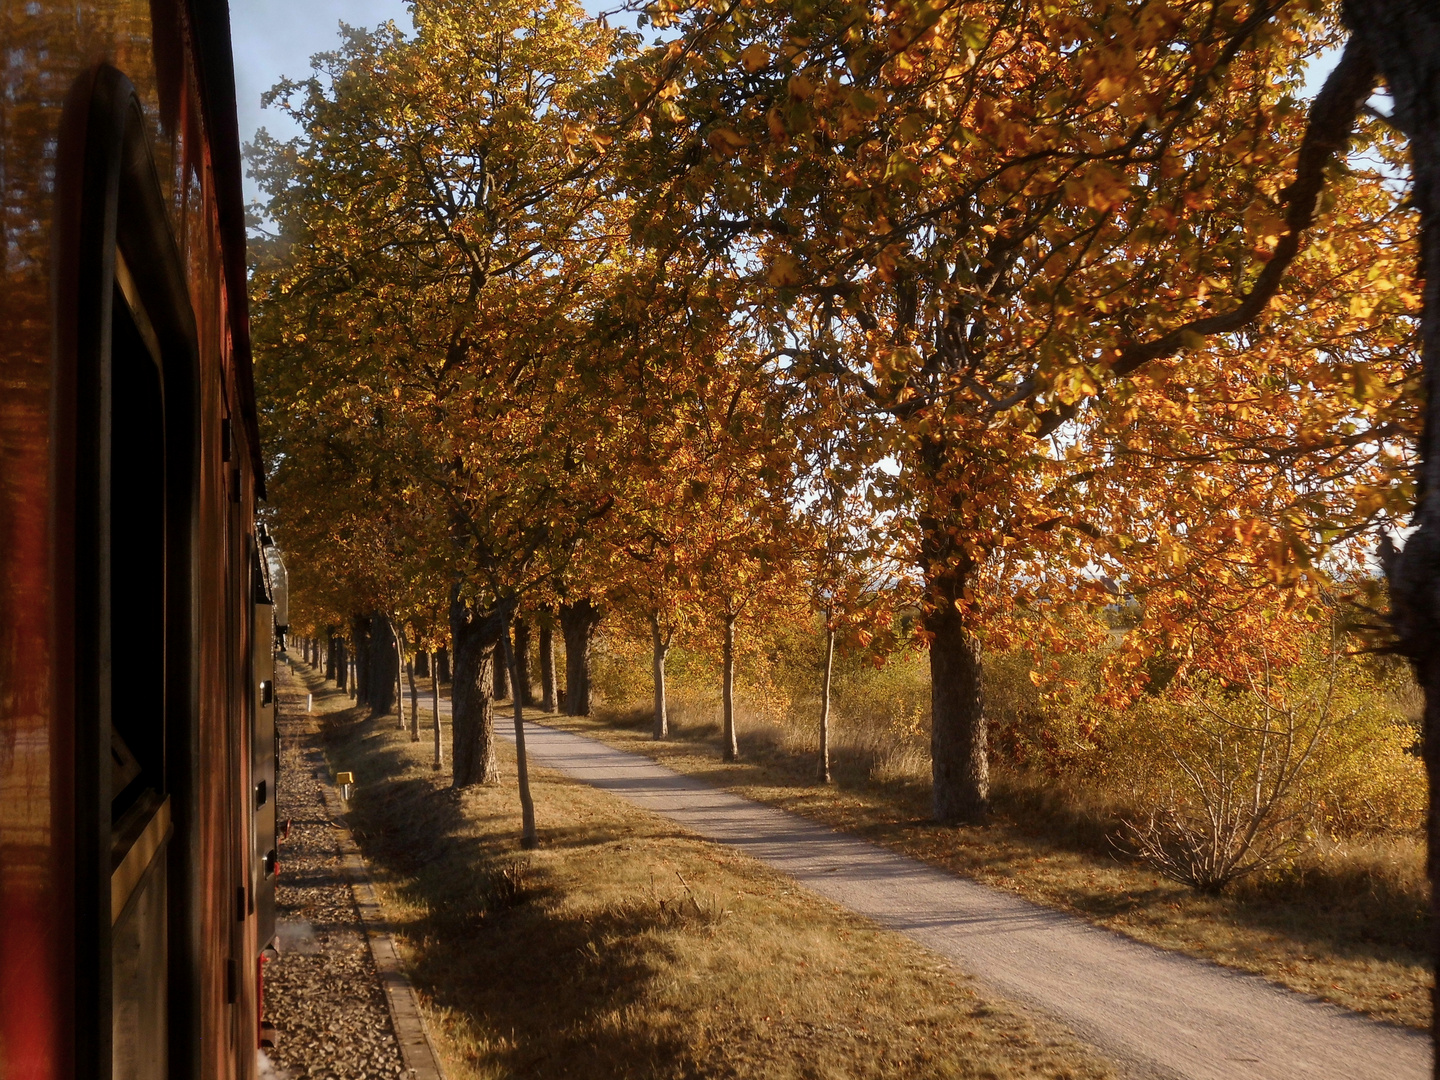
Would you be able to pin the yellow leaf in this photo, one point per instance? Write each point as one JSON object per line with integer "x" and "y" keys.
{"x": 865, "y": 104}
{"x": 776, "y": 123}
{"x": 785, "y": 271}
{"x": 755, "y": 57}
{"x": 726, "y": 142}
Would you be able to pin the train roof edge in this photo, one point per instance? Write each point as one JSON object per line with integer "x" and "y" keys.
{"x": 210, "y": 23}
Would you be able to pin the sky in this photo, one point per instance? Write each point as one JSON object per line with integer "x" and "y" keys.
{"x": 276, "y": 38}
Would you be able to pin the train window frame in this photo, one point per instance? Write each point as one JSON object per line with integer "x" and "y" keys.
{"x": 130, "y": 292}
{"x": 117, "y": 264}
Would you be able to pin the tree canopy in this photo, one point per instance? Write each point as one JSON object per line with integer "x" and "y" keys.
{"x": 1006, "y": 314}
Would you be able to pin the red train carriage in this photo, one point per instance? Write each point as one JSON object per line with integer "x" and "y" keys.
{"x": 137, "y": 846}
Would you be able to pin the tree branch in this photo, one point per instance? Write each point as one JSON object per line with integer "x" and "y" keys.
{"x": 1327, "y": 135}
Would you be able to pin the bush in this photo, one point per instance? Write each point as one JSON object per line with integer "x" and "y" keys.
{"x": 1039, "y": 729}
{"x": 1229, "y": 778}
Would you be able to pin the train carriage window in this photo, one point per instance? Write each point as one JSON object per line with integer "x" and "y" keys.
{"x": 137, "y": 554}
{"x": 137, "y": 633}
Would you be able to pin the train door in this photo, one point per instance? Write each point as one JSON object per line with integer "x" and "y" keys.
{"x": 271, "y": 616}
{"x": 265, "y": 858}
{"x": 129, "y": 449}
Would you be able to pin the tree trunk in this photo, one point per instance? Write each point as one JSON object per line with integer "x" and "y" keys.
{"x": 341, "y": 664}
{"x": 414, "y": 694}
{"x": 381, "y": 657}
{"x": 578, "y": 622}
{"x": 472, "y": 723}
{"x": 364, "y": 665}
{"x": 959, "y": 753}
{"x": 330, "y": 655}
{"x": 400, "y": 661}
{"x": 435, "y": 713}
{"x": 422, "y": 663}
{"x": 732, "y": 747}
{"x": 547, "y": 662}
{"x": 502, "y": 677}
{"x": 528, "y": 838}
{"x": 1402, "y": 38}
{"x": 442, "y": 664}
{"x": 824, "y": 769}
{"x": 659, "y": 648}
{"x": 399, "y": 687}
{"x": 362, "y": 684}
{"x": 522, "y": 689}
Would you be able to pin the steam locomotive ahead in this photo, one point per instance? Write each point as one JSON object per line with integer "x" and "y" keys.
{"x": 137, "y": 823}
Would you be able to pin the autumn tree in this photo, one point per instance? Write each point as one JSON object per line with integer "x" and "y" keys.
{"x": 709, "y": 451}
{"x": 740, "y": 505}
{"x": 436, "y": 248}
{"x": 654, "y": 581}
{"x": 853, "y": 581}
{"x": 993, "y": 214}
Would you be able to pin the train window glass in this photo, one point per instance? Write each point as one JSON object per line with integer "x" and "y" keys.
{"x": 136, "y": 557}
{"x": 136, "y": 497}
{"x": 129, "y": 452}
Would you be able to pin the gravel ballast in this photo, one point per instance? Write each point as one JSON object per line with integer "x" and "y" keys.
{"x": 323, "y": 993}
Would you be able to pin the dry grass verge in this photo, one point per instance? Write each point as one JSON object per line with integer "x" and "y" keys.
{"x": 625, "y": 948}
{"x": 1347, "y": 925}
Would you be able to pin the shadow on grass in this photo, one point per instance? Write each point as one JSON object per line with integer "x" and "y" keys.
{"x": 535, "y": 982}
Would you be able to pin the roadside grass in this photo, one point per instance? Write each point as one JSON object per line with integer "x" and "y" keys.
{"x": 626, "y": 948}
{"x": 1347, "y": 924}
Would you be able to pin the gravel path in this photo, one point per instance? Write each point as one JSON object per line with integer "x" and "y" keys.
{"x": 324, "y": 993}
{"x": 1158, "y": 1013}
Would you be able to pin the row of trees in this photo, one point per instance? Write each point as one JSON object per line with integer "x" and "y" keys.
{"x": 990, "y": 310}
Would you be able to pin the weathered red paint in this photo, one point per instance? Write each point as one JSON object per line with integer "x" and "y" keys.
{"x": 176, "y": 55}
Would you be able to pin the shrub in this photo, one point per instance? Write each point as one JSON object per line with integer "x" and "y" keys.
{"x": 1229, "y": 778}
{"x": 1360, "y": 780}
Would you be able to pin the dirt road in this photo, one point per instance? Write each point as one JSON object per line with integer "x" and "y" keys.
{"x": 1158, "y": 1014}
